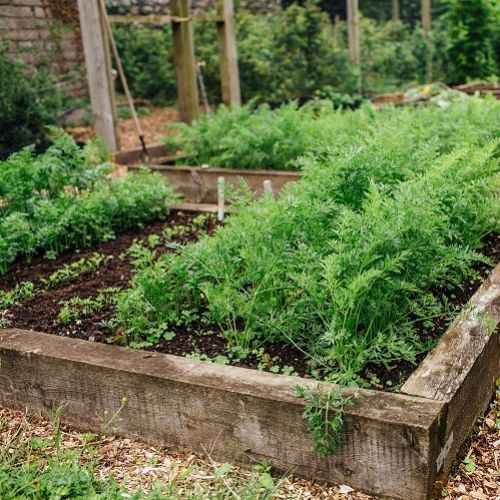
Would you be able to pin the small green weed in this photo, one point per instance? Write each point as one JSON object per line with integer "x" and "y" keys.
{"x": 75, "y": 269}
{"x": 77, "y": 307}
{"x": 22, "y": 291}
{"x": 324, "y": 412}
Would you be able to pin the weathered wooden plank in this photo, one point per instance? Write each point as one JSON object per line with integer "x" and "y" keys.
{"x": 133, "y": 155}
{"x": 228, "y": 53}
{"x": 461, "y": 371}
{"x": 199, "y": 184}
{"x": 185, "y": 63}
{"x": 99, "y": 76}
{"x": 389, "y": 441}
{"x": 196, "y": 207}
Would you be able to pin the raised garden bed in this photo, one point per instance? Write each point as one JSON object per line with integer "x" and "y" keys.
{"x": 199, "y": 184}
{"x": 391, "y": 444}
{"x": 340, "y": 268}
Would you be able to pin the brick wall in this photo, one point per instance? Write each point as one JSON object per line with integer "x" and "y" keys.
{"x": 42, "y": 29}
{"x": 145, "y": 7}
{"x": 46, "y": 30}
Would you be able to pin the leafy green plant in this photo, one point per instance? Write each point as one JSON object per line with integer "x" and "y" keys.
{"x": 246, "y": 137}
{"x": 75, "y": 269}
{"x": 340, "y": 264}
{"x": 60, "y": 200}
{"x": 250, "y": 137}
{"x": 324, "y": 412}
{"x": 22, "y": 291}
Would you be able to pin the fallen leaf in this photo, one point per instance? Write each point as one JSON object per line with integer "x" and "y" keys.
{"x": 344, "y": 489}
{"x": 490, "y": 423}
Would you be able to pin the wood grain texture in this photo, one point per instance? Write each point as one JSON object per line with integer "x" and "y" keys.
{"x": 98, "y": 67}
{"x": 185, "y": 63}
{"x": 134, "y": 155}
{"x": 199, "y": 184}
{"x": 228, "y": 53}
{"x": 353, "y": 31}
{"x": 389, "y": 441}
{"x": 461, "y": 371}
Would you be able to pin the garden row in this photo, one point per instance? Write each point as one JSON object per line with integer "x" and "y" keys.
{"x": 338, "y": 274}
{"x": 350, "y": 276}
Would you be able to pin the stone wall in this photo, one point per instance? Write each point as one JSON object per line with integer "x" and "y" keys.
{"x": 46, "y": 30}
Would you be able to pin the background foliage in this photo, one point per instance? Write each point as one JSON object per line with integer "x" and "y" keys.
{"x": 300, "y": 53}
{"x": 29, "y": 102}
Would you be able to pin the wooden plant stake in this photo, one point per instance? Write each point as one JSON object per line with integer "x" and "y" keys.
{"x": 426, "y": 26}
{"x": 353, "y": 33}
{"x": 221, "y": 185}
{"x": 268, "y": 187}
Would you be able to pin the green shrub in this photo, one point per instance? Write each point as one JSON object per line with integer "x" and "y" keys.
{"x": 29, "y": 102}
{"x": 392, "y": 204}
{"x": 473, "y": 39}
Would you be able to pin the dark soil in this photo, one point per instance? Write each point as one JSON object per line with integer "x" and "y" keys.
{"x": 41, "y": 313}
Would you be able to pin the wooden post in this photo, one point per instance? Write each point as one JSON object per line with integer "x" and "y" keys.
{"x": 426, "y": 15}
{"x": 99, "y": 76}
{"x": 353, "y": 31}
{"x": 426, "y": 26}
{"x": 396, "y": 15}
{"x": 185, "y": 64}
{"x": 228, "y": 53}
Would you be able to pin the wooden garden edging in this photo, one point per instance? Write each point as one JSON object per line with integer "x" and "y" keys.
{"x": 392, "y": 444}
{"x": 199, "y": 184}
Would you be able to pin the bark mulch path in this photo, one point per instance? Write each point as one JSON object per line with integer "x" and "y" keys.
{"x": 137, "y": 465}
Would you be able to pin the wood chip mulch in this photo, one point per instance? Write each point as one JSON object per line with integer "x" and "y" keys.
{"x": 138, "y": 466}
{"x": 154, "y": 126}
{"x": 478, "y": 475}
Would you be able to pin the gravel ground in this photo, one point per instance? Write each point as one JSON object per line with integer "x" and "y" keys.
{"x": 138, "y": 466}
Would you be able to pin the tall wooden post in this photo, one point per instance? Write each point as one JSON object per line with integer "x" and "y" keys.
{"x": 228, "y": 53}
{"x": 353, "y": 31}
{"x": 185, "y": 63}
{"x": 99, "y": 75}
{"x": 426, "y": 26}
{"x": 396, "y": 14}
{"x": 426, "y": 15}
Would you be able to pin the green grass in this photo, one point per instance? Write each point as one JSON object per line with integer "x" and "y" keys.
{"x": 392, "y": 206}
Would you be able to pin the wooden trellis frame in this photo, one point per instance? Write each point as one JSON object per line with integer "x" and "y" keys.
{"x": 98, "y": 61}
{"x": 353, "y": 29}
